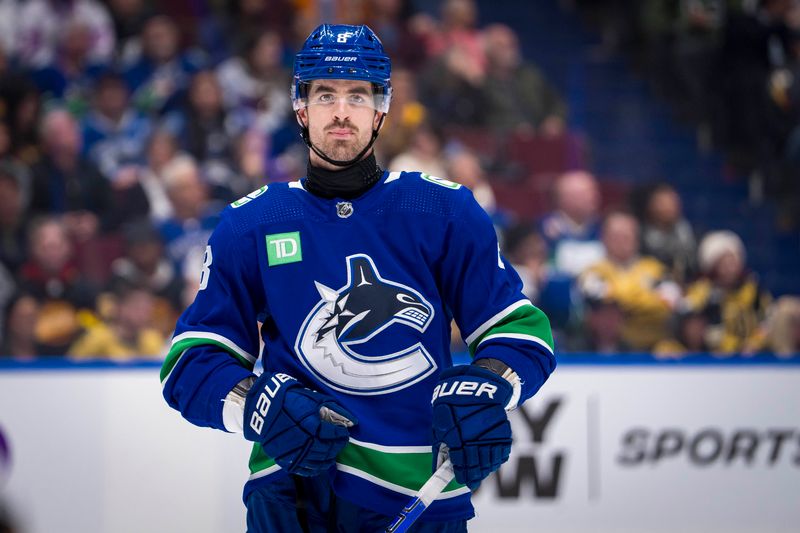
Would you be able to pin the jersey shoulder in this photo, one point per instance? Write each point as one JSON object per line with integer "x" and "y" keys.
{"x": 275, "y": 202}
{"x": 418, "y": 192}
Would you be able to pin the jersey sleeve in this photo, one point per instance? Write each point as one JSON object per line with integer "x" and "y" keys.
{"x": 216, "y": 340}
{"x": 484, "y": 294}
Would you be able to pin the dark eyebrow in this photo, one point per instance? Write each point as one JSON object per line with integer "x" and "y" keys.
{"x": 328, "y": 89}
{"x": 323, "y": 89}
{"x": 359, "y": 90}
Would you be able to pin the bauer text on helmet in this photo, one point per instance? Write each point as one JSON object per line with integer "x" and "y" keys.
{"x": 339, "y": 51}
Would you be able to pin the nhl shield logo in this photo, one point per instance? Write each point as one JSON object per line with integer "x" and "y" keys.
{"x": 344, "y": 209}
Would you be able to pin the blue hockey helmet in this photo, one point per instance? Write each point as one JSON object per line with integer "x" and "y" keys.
{"x": 340, "y": 51}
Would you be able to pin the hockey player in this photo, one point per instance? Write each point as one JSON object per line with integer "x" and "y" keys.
{"x": 354, "y": 275}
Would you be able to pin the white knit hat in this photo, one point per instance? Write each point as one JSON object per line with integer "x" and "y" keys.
{"x": 715, "y": 244}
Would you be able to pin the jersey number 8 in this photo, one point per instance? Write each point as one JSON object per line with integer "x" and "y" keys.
{"x": 206, "y": 272}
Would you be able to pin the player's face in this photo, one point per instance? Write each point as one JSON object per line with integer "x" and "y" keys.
{"x": 340, "y": 117}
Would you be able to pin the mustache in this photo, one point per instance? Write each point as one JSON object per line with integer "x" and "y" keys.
{"x": 338, "y": 124}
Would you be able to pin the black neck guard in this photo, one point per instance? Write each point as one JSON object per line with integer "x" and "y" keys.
{"x": 348, "y": 183}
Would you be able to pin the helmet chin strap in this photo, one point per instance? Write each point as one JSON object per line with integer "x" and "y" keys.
{"x": 336, "y": 162}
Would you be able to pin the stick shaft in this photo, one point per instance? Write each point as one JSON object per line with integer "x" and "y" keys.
{"x": 426, "y": 495}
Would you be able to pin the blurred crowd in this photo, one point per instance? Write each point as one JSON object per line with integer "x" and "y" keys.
{"x": 629, "y": 281}
{"x": 729, "y": 67}
{"x": 126, "y": 126}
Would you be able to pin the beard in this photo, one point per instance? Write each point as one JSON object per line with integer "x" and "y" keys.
{"x": 340, "y": 149}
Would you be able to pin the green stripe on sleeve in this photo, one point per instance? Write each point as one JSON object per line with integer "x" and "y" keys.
{"x": 178, "y": 348}
{"x": 525, "y": 321}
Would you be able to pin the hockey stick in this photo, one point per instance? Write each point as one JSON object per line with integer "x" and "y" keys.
{"x": 426, "y": 495}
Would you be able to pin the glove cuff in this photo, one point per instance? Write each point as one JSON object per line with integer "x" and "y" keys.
{"x": 462, "y": 383}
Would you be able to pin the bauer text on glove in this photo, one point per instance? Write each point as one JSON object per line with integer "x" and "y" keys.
{"x": 285, "y": 418}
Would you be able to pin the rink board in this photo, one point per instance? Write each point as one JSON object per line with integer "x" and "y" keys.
{"x": 611, "y": 447}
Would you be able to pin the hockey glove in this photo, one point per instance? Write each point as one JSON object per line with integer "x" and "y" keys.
{"x": 469, "y": 419}
{"x": 303, "y": 430}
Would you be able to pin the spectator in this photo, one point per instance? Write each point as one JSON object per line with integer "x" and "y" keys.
{"x": 602, "y": 331}
{"x": 160, "y": 76}
{"x": 465, "y": 168}
{"x": 637, "y": 284}
{"x": 458, "y": 32}
{"x": 140, "y": 191}
{"x": 70, "y": 76}
{"x": 690, "y": 338}
{"x": 254, "y": 88}
{"x": 128, "y": 334}
{"x": 145, "y": 265}
{"x": 207, "y": 131}
{"x": 424, "y": 154}
{"x": 194, "y": 217}
{"x": 667, "y": 235}
{"x": 784, "y": 327}
{"x": 114, "y": 135}
{"x": 572, "y": 230}
{"x": 66, "y": 183}
{"x": 50, "y": 273}
{"x": 451, "y": 87}
{"x": 572, "y": 237}
{"x": 41, "y": 21}
{"x": 519, "y": 97}
{"x": 53, "y": 279}
{"x": 729, "y": 295}
{"x": 527, "y": 251}
{"x": 254, "y": 84}
{"x": 251, "y": 164}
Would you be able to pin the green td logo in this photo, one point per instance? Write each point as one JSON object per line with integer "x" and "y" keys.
{"x": 284, "y": 248}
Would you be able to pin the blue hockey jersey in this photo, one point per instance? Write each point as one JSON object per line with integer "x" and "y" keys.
{"x": 355, "y": 299}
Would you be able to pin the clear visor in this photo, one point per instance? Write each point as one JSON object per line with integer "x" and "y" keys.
{"x": 360, "y": 98}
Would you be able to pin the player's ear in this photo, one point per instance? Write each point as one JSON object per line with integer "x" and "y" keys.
{"x": 302, "y": 117}
{"x": 377, "y": 121}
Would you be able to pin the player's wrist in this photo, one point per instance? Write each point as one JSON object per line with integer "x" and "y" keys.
{"x": 506, "y": 372}
{"x": 233, "y": 405}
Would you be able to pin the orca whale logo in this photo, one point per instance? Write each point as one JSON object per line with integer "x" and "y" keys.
{"x": 354, "y": 314}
